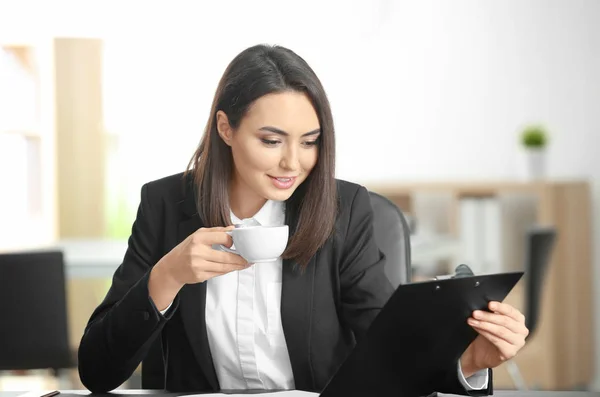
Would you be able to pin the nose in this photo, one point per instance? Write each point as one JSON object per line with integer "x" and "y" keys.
{"x": 289, "y": 159}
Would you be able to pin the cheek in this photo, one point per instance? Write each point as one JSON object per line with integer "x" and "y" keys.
{"x": 308, "y": 159}
{"x": 247, "y": 158}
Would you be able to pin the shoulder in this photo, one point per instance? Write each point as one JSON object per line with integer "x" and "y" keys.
{"x": 170, "y": 188}
{"x": 352, "y": 196}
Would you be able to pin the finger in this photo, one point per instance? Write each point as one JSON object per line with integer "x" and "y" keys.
{"x": 502, "y": 320}
{"x": 216, "y": 229}
{"x": 508, "y": 310}
{"x": 212, "y": 238}
{"x": 217, "y": 256}
{"x": 499, "y": 331}
{"x": 507, "y": 351}
{"x": 222, "y": 268}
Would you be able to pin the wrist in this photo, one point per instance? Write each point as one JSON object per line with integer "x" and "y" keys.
{"x": 467, "y": 364}
{"x": 166, "y": 276}
{"x": 162, "y": 286}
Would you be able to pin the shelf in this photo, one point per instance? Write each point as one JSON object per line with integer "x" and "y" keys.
{"x": 433, "y": 248}
{"x": 468, "y": 188}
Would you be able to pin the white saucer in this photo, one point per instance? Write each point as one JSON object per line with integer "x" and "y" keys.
{"x": 262, "y": 260}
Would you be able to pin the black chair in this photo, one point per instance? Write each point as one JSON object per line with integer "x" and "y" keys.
{"x": 34, "y": 331}
{"x": 392, "y": 234}
{"x": 540, "y": 242}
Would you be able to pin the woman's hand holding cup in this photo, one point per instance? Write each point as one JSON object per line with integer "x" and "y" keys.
{"x": 193, "y": 261}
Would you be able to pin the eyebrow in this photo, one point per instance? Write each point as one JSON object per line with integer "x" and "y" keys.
{"x": 281, "y": 132}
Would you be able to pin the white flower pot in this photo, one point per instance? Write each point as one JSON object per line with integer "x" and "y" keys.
{"x": 535, "y": 164}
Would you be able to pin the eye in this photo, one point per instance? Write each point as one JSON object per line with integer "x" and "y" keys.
{"x": 269, "y": 142}
{"x": 310, "y": 143}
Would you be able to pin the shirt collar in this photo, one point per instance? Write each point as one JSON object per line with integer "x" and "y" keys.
{"x": 272, "y": 213}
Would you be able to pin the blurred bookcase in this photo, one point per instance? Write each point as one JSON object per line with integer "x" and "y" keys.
{"x": 559, "y": 356}
{"x": 51, "y": 141}
{"x": 27, "y": 143}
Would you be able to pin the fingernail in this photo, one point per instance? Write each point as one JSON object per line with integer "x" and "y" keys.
{"x": 477, "y": 314}
{"x": 472, "y": 321}
{"x": 493, "y": 305}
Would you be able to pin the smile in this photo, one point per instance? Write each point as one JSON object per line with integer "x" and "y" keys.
{"x": 283, "y": 182}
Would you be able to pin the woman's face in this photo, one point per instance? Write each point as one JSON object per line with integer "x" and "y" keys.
{"x": 275, "y": 147}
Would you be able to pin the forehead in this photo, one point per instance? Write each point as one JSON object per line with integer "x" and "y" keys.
{"x": 289, "y": 111}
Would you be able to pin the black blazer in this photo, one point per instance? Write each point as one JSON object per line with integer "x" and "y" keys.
{"x": 324, "y": 310}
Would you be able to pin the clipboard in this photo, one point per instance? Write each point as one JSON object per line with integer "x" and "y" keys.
{"x": 419, "y": 334}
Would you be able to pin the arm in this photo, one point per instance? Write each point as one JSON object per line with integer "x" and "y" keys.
{"x": 477, "y": 381}
{"x": 366, "y": 288}
{"x": 122, "y": 329}
{"x": 478, "y": 384}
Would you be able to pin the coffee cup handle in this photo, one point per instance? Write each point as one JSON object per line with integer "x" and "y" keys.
{"x": 223, "y": 248}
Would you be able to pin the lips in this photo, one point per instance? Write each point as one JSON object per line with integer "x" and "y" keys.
{"x": 281, "y": 182}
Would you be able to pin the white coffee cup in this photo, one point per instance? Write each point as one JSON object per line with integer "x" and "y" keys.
{"x": 259, "y": 243}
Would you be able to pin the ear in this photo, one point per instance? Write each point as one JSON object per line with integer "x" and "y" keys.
{"x": 223, "y": 128}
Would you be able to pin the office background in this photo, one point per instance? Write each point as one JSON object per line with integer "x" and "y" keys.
{"x": 422, "y": 92}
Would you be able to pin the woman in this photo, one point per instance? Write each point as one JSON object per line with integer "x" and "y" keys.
{"x": 220, "y": 323}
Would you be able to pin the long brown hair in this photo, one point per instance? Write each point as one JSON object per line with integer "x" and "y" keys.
{"x": 258, "y": 71}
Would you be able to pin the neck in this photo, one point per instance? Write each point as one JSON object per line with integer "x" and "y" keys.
{"x": 244, "y": 202}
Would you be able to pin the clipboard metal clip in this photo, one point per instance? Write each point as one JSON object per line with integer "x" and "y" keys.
{"x": 461, "y": 270}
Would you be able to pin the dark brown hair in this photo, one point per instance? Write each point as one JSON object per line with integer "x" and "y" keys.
{"x": 255, "y": 72}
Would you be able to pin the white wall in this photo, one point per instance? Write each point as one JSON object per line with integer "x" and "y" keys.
{"x": 420, "y": 89}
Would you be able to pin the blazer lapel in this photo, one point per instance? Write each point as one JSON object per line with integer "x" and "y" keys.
{"x": 296, "y": 308}
{"x": 193, "y": 299}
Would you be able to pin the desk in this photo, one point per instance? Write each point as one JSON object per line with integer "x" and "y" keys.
{"x": 127, "y": 393}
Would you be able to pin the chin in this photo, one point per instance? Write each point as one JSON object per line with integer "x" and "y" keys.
{"x": 275, "y": 194}
{"x": 279, "y": 195}
{"x": 271, "y": 192}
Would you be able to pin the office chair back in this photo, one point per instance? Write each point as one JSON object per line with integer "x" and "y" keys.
{"x": 538, "y": 252}
{"x": 33, "y": 334}
{"x": 392, "y": 234}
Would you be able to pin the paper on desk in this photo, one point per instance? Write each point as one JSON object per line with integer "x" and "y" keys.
{"x": 286, "y": 393}
{"x": 40, "y": 393}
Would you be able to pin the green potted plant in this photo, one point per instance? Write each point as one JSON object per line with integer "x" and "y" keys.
{"x": 534, "y": 139}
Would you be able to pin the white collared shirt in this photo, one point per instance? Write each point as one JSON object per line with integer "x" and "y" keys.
{"x": 243, "y": 312}
{"x": 243, "y": 323}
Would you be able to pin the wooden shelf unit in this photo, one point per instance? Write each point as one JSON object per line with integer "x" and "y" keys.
{"x": 559, "y": 356}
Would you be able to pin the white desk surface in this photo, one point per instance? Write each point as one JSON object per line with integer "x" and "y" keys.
{"x": 125, "y": 392}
